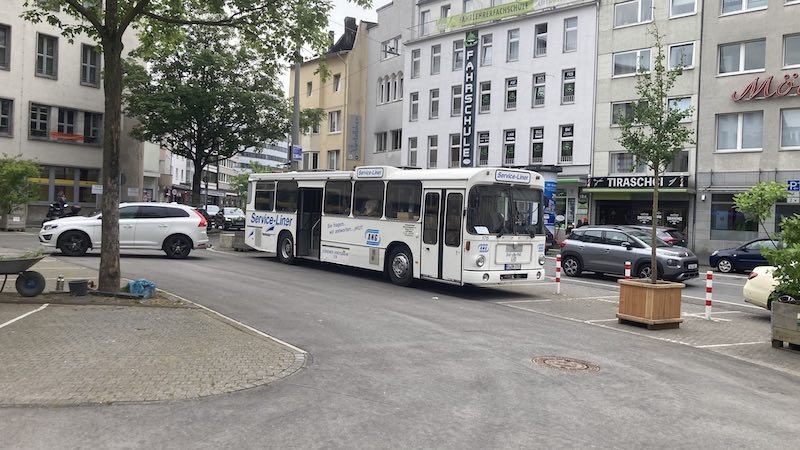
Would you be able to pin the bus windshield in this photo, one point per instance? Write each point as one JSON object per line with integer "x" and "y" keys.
{"x": 503, "y": 209}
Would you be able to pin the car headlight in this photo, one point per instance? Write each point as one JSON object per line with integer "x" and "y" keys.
{"x": 541, "y": 259}
{"x": 50, "y": 227}
{"x": 480, "y": 261}
{"x": 715, "y": 253}
{"x": 673, "y": 262}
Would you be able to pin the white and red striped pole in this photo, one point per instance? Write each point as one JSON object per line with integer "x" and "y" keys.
{"x": 627, "y": 270}
{"x": 709, "y": 286}
{"x": 558, "y": 273}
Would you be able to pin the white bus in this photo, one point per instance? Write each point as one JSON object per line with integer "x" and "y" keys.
{"x": 479, "y": 226}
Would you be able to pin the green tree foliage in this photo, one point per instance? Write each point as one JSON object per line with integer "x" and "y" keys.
{"x": 207, "y": 99}
{"x": 239, "y": 182}
{"x": 787, "y": 259}
{"x": 654, "y": 134}
{"x": 15, "y": 186}
{"x": 273, "y": 28}
{"x": 757, "y": 202}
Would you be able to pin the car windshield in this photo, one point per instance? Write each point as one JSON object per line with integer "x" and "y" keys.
{"x": 646, "y": 238}
{"x": 503, "y": 209}
{"x": 233, "y": 212}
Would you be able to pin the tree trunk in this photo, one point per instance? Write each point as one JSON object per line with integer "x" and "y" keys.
{"x": 653, "y": 259}
{"x": 109, "y": 276}
{"x": 197, "y": 179}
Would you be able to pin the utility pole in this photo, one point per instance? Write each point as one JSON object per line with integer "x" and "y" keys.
{"x": 293, "y": 165}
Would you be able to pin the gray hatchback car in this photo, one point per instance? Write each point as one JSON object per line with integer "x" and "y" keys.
{"x": 604, "y": 249}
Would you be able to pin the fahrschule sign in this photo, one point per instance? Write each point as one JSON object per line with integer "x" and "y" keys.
{"x": 640, "y": 182}
{"x": 468, "y": 101}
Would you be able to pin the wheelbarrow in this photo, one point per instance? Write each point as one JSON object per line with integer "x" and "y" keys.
{"x": 29, "y": 283}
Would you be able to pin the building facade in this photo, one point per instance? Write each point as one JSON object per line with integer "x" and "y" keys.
{"x": 493, "y": 84}
{"x": 51, "y": 111}
{"x": 749, "y": 116}
{"x": 337, "y": 143}
{"x": 620, "y": 191}
{"x": 271, "y": 155}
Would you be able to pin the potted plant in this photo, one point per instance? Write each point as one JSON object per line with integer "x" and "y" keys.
{"x": 654, "y": 133}
{"x": 16, "y": 191}
{"x": 785, "y": 298}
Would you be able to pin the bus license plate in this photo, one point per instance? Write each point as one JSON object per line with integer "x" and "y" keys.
{"x": 513, "y": 266}
{"x": 691, "y": 266}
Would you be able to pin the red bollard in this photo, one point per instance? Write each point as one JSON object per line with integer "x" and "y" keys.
{"x": 627, "y": 270}
{"x": 709, "y": 288}
{"x": 558, "y": 273}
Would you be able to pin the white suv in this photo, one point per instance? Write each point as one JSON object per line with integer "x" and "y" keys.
{"x": 175, "y": 229}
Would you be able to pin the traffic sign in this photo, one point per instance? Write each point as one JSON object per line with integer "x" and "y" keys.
{"x": 793, "y": 197}
{"x": 97, "y": 189}
{"x": 794, "y": 185}
{"x": 297, "y": 153}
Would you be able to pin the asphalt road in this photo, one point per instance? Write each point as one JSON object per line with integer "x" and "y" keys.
{"x": 430, "y": 366}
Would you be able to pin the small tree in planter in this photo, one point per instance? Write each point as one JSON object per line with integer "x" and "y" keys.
{"x": 15, "y": 187}
{"x": 785, "y": 298}
{"x": 756, "y": 203}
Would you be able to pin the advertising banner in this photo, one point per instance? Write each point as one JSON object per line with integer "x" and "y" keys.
{"x": 468, "y": 102}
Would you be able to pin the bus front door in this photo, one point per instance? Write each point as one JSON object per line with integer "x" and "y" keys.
{"x": 309, "y": 214}
{"x": 440, "y": 256}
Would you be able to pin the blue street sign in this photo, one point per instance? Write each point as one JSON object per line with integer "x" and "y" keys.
{"x": 794, "y": 185}
{"x": 297, "y": 153}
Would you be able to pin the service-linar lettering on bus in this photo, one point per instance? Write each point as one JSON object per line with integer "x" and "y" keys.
{"x": 270, "y": 222}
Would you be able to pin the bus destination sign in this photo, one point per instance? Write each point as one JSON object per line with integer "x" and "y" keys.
{"x": 369, "y": 172}
{"x": 512, "y": 176}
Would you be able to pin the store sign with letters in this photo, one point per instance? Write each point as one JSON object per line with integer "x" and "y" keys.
{"x": 468, "y": 102}
{"x": 759, "y": 89}
{"x": 641, "y": 182}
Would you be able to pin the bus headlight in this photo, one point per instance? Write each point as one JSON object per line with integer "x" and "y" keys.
{"x": 541, "y": 259}
{"x": 480, "y": 261}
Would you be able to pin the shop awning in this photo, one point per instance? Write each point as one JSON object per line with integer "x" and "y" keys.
{"x": 639, "y": 191}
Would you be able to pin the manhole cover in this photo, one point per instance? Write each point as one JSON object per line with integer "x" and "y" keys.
{"x": 562, "y": 363}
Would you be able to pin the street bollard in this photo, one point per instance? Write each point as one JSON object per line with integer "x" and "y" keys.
{"x": 60, "y": 283}
{"x": 709, "y": 285}
{"x": 627, "y": 270}
{"x": 558, "y": 273}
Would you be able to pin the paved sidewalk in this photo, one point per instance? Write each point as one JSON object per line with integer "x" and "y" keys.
{"x": 60, "y": 354}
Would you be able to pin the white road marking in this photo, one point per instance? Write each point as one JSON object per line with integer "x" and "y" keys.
{"x": 728, "y": 284}
{"x": 703, "y": 316}
{"x": 732, "y": 345}
{"x": 744, "y": 305}
{"x": 24, "y": 315}
{"x": 602, "y": 320}
{"x": 522, "y": 301}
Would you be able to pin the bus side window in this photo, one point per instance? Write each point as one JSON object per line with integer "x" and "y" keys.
{"x": 452, "y": 224}
{"x": 368, "y": 199}
{"x": 337, "y": 197}
{"x": 286, "y": 196}
{"x": 403, "y": 200}
{"x": 430, "y": 225}
{"x": 265, "y": 196}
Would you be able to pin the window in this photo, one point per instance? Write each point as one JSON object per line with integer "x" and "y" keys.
{"x": 310, "y": 160}
{"x": 483, "y": 148}
{"x": 455, "y": 103}
{"x": 90, "y": 66}
{"x": 337, "y": 81}
{"x": 791, "y": 50}
{"x": 486, "y": 97}
{"x": 681, "y": 7}
{"x": 368, "y": 199}
{"x": 452, "y": 223}
{"x": 623, "y": 162}
{"x": 337, "y": 197}
{"x": 680, "y": 163}
{"x": 540, "y": 40}
{"x": 486, "y": 50}
{"x": 315, "y": 128}
{"x": 681, "y": 55}
{"x": 424, "y": 22}
{"x": 681, "y": 104}
{"x": 621, "y": 110}
{"x": 433, "y": 151}
{"x": 436, "y": 59}
{"x": 66, "y": 121}
{"x": 6, "y": 111}
{"x": 412, "y": 152}
{"x": 511, "y": 93}
{"x": 742, "y": 56}
{"x": 309, "y": 88}
{"x": 5, "y": 47}
{"x": 380, "y": 142}
{"x": 430, "y": 223}
{"x": 455, "y": 150}
{"x": 512, "y": 47}
{"x": 570, "y": 34}
{"x": 390, "y": 48}
{"x": 538, "y": 89}
{"x": 403, "y": 200}
{"x": 458, "y": 55}
{"x": 334, "y": 121}
{"x": 397, "y": 139}
{"x": 567, "y": 134}
{"x": 46, "y": 56}
{"x": 399, "y": 86}
{"x": 444, "y": 11}
{"x": 790, "y": 128}
{"x": 729, "y": 223}
{"x": 740, "y": 131}
{"x": 735, "y": 6}
{"x": 286, "y": 196}
{"x": 537, "y": 145}
{"x": 433, "y": 111}
{"x": 91, "y": 127}
{"x": 382, "y": 92}
{"x": 630, "y": 63}
{"x": 509, "y": 144}
{"x": 470, "y": 5}
{"x": 413, "y": 114}
{"x": 333, "y": 159}
{"x": 568, "y": 86}
{"x": 633, "y": 12}
{"x": 415, "y": 56}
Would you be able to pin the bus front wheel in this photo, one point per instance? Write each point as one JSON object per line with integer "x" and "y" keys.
{"x": 401, "y": 267}
{"x": 286, "y": 249}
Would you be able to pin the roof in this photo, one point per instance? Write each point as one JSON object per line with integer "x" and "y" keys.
{"x": 348, "y": 38}
{"x": 387, "y": 173}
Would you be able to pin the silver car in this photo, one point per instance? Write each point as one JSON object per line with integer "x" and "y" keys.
{"x": 604, "y": 249}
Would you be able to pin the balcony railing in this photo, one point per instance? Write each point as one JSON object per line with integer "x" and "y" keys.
{"x": 509, "y": 161}
{"x": 538, "y": 101}
{"x": 568, "y": 99}
{"x": 565, "y": 159}
{"x": 536, "y": 159}
{"x": 540, "y": 51}
{"x": 483, "y": 162}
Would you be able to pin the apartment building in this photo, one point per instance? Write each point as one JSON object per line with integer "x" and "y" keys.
{"x": 621, "y": 191}
{"x": 337, "y": 143}
{"x": 51, "y": 110}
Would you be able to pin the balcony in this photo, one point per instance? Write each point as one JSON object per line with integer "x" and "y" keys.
{"x": 565, "y": 159}
{"x": 568, "y": 99}
{"x": 538, "y": 101}
{"x": 509, "y": 161}
{"x": 536, "y": 159}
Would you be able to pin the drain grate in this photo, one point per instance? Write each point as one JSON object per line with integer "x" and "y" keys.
{"x": 568, "y": 364}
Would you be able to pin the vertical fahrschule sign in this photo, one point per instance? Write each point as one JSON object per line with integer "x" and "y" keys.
{"x": 468, "y": 102}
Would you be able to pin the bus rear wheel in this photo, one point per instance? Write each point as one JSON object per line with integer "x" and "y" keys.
{"x": 286, "y": 249}
{"x": 401, "y": 267}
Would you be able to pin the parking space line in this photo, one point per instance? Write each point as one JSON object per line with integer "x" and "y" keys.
{"x": 523, "y": 301}
{"x": 601, "y": 320}
{"x": 743, "y": 305}
{"x": 732, "y": 345}
{"x": 24, "y": 315}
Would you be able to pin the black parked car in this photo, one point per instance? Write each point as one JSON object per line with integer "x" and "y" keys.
{"x": 230, "y": 218}
{"x": 742, "y": 258}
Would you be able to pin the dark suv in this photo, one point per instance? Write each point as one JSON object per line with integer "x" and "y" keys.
{"x": 604, "y": 249}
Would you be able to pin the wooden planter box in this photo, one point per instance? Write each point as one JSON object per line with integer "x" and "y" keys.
{"x": 654, "y": 305}
{"x": 785, "y": 326}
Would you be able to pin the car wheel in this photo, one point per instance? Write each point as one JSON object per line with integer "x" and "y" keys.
{"x": 73, "y": 243}
{"x": 645, "y": 272}
{"x": 30, "y": 284}
{"x": 571, "y": 266}
{"x": 225, "y": 227}
{"x": 401, "y": 272}
{"x": 725, "y": 265}
{"x": 286, "y": 249}
{"x": 177, "y": 247}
